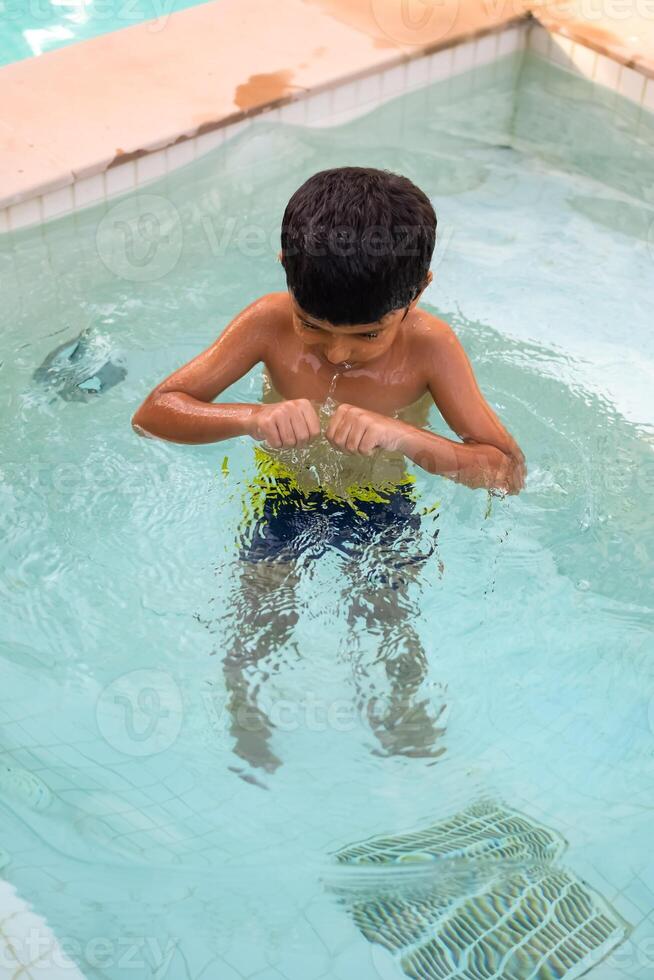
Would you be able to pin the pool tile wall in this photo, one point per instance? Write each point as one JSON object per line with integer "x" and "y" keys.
{"x": 329, "y": 106}
{"x": 581, "y": 60}
{"x": 28, "y": 948}
{"x": 336, "y": 104}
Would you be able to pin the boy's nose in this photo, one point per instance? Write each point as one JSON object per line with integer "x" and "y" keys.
{"x": 337, "y": 353}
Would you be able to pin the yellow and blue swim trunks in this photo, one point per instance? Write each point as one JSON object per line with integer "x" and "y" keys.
{"x": 284, "y": 521}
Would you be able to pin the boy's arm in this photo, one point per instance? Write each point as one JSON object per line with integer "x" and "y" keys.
{"x": 488, "y": 456}
{"x": 181, "y": 408}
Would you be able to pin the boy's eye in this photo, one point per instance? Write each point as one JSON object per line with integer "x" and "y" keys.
{"x": 370, "y": 336}
{"x": 310, "y": 326}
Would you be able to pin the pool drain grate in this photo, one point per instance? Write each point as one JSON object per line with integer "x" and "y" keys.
{"x": 496, "y": 906}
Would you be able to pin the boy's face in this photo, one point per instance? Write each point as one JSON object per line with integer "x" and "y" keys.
{"x": 352, "y": 345}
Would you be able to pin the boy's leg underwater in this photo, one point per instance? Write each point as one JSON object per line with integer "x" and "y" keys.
{"x": 261, "y": 621}
{"x": 403, "y": 717}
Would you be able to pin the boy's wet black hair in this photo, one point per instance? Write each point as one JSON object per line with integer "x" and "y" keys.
{"x": 356, "y": 244}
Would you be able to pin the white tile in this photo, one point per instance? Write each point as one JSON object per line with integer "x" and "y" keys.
{"x": 345, "y": 97}
{"x": 463, "y": 57}
{"x": 369, "y": 88}
{"x": 607, "y": 72}
{"x": 539, "y": 40}
{"x": 88, "y": 191}
{"x": 393, "y": 81}
{"x": 417, "y": 73}
{"x": 485, "y": 50}
{"x": 179, "y": 155}
{"x": 340, "y": 118}
{"x": 235, "y": 128}
{"x": 440, "y": 65}
{"x": 58, "y": 202}
{"x": 25, "y": 213}
{"x": 272, "y": 115}
{"x": 120, "y": 179}
{"x": 150, "y": 167}
{"x": 509, "y": 41}
{"x": 24, "y": 934}
{"x": 631, "y": 84}
{"x": 561, "y": 50}
{"x": 648, "y": 95}
{"x": 318, "y": 106}
{"x": 209, "y": 141}
{"x": 585, "y": 60}
{"x": 292, "y": 113}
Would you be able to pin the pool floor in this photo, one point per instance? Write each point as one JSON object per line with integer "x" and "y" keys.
{"x": 139, "y": 818}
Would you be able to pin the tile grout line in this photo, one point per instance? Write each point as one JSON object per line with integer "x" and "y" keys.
{"x": 469, "y": 48}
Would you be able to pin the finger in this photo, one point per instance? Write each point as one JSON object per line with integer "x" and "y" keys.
{"x": 271, "y": 435}
{"x": 311, "y": 419}
{"x": 354, "y": 437}
{"x": 341, "y": 434}
{"x": 300, "y": 428}
{"x": 285, "y": 430}
{"x": 335, "y": 422}
{"x": 369, "y": 443}
{"x": 331, "y": 428}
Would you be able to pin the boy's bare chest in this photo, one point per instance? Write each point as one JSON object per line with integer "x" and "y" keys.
{"x": 386, "y": 389}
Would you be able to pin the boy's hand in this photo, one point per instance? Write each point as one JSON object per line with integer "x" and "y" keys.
{"x": 285, "y": 425}
{"x": 357, "y": 430}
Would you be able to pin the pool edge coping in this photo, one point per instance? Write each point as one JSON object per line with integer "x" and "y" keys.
{"x": 54, "y": 188}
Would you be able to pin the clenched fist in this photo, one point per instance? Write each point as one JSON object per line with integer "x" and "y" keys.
{"x": 284, "y": 425}
{"x": 356, "y": 430}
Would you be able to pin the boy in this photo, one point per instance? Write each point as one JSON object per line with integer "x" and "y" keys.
{"x": 351, "y": 367}
{"x": 356, "y": 249}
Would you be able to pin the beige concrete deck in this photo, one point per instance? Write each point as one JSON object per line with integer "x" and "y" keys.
{"x": 79, "y": 110}
{"x": 621, "y": 29}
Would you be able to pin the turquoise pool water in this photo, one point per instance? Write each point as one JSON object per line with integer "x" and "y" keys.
{"x": 33, "y": 27}
{"x": 508, "y": 763}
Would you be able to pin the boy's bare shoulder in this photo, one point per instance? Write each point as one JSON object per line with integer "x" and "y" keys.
{"x": 431, "y": 335}
{"x": 272, "y": 308}
{"x": 262, "y": 322}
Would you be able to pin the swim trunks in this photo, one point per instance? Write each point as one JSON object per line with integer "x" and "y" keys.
{"x": 285, "y": 522}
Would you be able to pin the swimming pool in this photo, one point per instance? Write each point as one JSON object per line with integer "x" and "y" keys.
{"x": 34, "y": 27}
{"x": 150, "y": 836}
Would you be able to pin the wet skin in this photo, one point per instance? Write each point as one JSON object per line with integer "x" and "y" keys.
{"x": 373, "y": 371}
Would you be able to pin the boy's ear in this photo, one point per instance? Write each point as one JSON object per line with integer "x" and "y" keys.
{"x": 428, "y": 280}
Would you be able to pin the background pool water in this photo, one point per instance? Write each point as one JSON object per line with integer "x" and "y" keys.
{"x": 131, "y": 816}
{"x": 33, "y": 27}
